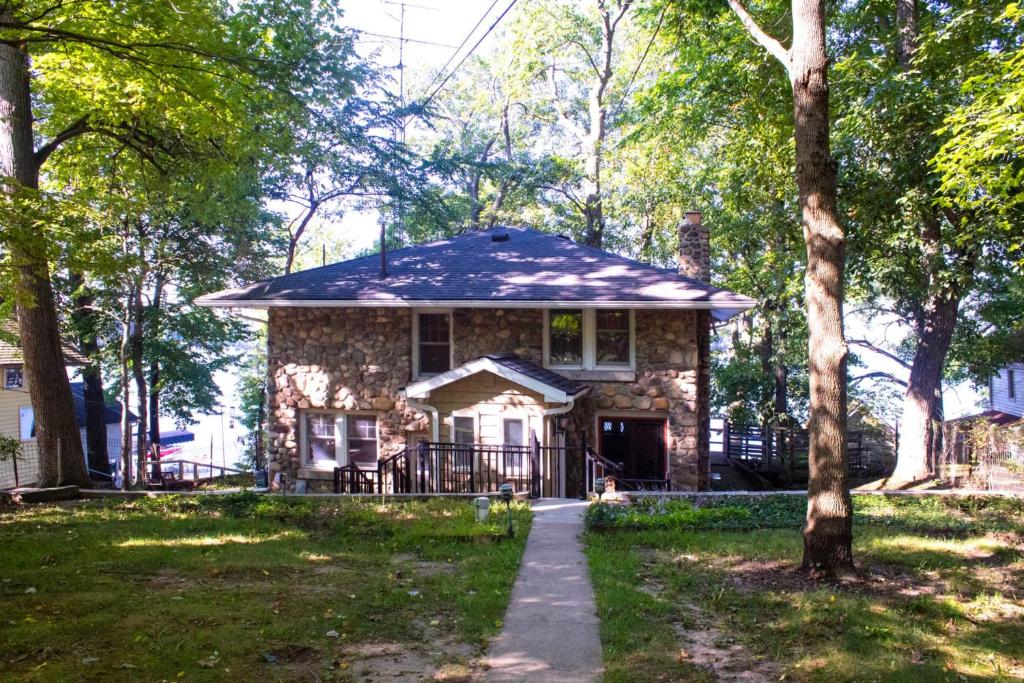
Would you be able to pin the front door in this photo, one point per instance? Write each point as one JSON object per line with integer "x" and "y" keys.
{"x": 636, "y": 444}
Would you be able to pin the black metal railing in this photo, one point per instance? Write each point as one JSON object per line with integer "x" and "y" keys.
{"x": 430, "y": 467}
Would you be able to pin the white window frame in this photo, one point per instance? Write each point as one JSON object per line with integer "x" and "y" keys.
{"x": 20, "y": 386}
{"x": 524, "y": 420}
{"x": 470, "y": 415}
{"x": 464, "y": 414}
{"x": 590, "y": 342}
{"x": 340, "y": 435}
{"x": 416, "y": 374}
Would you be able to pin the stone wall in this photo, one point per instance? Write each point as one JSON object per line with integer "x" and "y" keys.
{"x": 498, "y": 331}
{"x": 358, "y": 359}
{"x": 337, "y": 358}
{"x": 667, "y": 372}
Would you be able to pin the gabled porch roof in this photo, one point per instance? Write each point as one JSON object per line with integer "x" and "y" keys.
{"x": 554, "y": 387}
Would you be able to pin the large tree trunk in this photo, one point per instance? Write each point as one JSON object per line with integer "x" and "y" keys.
{"x": 135, "y": 353}
{"x": 60, "y": 447}
{"x": 828, "y": 533}
{"x": 92, "y": 380}
{"x": 916, "y": 458}
{"x": 154, "y": 365}
{"x": 126, "y": 424}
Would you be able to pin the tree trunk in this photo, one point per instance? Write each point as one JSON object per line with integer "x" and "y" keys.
{"x": 828, "y": 533}
{"x": 154, "y": 365}
{"x": 915, "y": 460}
{"x": 135, "y": 353}
{"x": 60, "y": 447}
{"x": 126, "y": 424}
{"x": 766, "y": 350}
{"x": 92, "y": 380}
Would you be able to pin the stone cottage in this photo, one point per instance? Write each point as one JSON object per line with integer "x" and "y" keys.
{"x": 471, "y": 350}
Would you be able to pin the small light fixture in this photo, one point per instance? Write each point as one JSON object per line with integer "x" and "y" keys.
{"x": 507, "y": 491}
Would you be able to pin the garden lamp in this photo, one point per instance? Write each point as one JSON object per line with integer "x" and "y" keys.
{"x": 599, "y": 487}
{"x": 506, "y": 495}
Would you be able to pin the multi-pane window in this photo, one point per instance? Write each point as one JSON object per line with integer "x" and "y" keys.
{"x": 435, "y": 347}
{"x": 565, "y": 334}
{"x": 589, "y": 339}
{"x": 337, "y": 439}
{"x": 612, "y": 337}
{"x": 13, "y": 378}
{"x": 362, "y": 440}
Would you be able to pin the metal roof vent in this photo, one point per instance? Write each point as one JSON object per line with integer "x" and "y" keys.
{"x": 499, "y": 237}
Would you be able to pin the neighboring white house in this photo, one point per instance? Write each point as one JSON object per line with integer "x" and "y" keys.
{"x": 1006, "y": 390}
{"x": 17, "y": 418}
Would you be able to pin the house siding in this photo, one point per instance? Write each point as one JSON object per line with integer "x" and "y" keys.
{"x": 358, "y": 359}
{"x": 999, "y": 390}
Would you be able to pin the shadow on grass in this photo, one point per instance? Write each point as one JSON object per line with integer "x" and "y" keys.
{"x": 115, "y": 592}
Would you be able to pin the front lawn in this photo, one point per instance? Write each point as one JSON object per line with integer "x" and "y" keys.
{"x": 712, "y": 592}
{"x": 246, "y": 587}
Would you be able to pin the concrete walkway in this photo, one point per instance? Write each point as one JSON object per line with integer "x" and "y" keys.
{"x": 550, "y": 631}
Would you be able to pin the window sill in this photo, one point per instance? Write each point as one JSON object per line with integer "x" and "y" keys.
{"x": 608, "y": 375}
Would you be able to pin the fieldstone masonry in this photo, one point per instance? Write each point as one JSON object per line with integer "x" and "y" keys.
{"x": 357, "y": 359}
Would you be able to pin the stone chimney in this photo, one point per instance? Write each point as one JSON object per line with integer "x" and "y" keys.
{"x": 694, "y": 247}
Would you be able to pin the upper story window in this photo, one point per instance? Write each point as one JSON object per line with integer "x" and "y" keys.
{"x": 565, "y": 335}
{"x": 432, "y": 343}
{"x": 13, "y": 378}
{"x": 332, "y": 439}
{"x": 585, "y": 339}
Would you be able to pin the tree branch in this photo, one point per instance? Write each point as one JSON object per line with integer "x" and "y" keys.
{"x": 759, "y": 35}
{"x": 888, "y": 376}
{"x": 74, "y": 130}
{"x": 880, "y": 351}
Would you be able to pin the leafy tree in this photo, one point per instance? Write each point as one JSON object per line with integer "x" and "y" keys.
{"x": 138, "y": 80}
{"x": 928, "y": 251}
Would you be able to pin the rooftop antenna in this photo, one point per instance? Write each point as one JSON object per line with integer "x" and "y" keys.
{"x": 400, "y": 131}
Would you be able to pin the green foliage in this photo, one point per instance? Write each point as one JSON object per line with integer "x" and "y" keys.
{"x": 918, "y": 513}
{"x": 930, "y": 604}
{"x": 10, "y": 448}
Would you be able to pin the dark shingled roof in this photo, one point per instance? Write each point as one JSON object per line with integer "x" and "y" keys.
{"x": 111, "y": 409}
{"x": 534, "y": 371}
{"x": 525, "y": 267}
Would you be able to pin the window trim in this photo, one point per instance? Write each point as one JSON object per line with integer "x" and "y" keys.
{"x": 524, "y": 420}
{"x": 341, "y": 451}
{"x": 466, "y": 415}
{"x": 416, "y": 374}
{"x": 590, "y": 342}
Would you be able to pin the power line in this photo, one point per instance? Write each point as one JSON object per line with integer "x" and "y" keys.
{"x": 469, "y": 54}
{"x": 462, "y": 44}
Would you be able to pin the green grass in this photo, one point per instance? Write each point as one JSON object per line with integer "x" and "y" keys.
{"x": 940, "y": 601}
{"x": 210, "y": 588}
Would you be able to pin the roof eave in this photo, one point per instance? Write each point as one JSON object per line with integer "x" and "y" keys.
{"x": 731, "y": 307}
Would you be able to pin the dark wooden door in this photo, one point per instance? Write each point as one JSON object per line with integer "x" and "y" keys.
{"x": 638, "y": 445}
